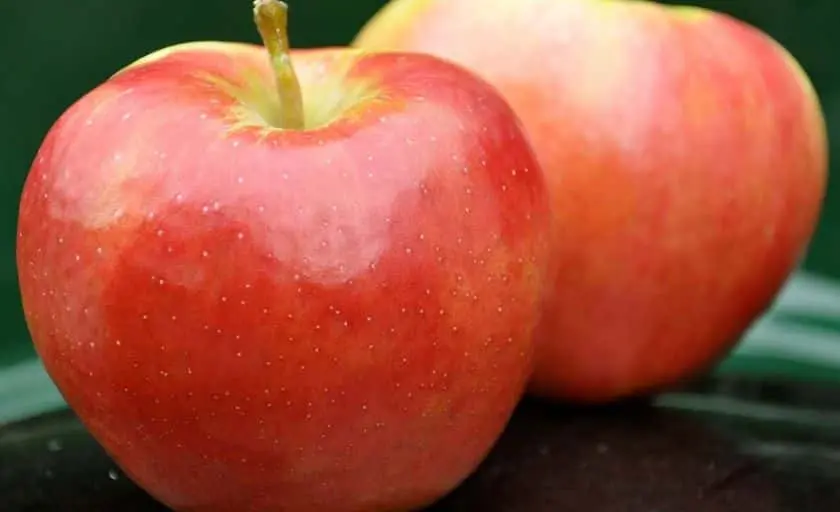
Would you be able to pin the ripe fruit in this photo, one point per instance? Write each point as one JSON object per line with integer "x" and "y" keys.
{"x": 322, "y": 307}
{"x": 686, "y": 158}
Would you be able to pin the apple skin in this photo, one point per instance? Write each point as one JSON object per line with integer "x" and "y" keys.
{"x": 332, "y": 319}
{"x": 686, "y": 157}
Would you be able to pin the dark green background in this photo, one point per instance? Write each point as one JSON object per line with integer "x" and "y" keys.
{"x": 53, "y": 52}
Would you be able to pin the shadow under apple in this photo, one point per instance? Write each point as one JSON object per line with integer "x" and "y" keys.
{"x": 626, "y": 458}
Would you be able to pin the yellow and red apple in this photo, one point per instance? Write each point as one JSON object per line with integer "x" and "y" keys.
{"x": 302, "y": 283}
{"x": 686, "y": 157}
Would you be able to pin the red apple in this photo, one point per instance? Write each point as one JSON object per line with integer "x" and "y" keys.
{"x": 686, "y": 158}
{"x": 262, "y": 304}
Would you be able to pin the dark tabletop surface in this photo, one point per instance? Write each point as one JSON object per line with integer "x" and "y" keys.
{"x": 633, "y": 457}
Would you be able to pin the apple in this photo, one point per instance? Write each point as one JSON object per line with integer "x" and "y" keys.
{"x": 686, "y": 157}
{"x": 307, "y": 282}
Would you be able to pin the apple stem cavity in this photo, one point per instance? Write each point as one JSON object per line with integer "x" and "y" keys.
{"x": 271, "y": 18}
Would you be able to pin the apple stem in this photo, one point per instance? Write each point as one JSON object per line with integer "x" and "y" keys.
{"x": 271, "y": 17}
